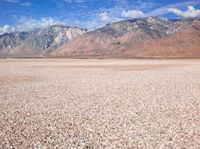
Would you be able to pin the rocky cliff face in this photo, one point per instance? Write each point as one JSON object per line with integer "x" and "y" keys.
{"x": 39, "y": 42}
{"x": 9, "y": 41}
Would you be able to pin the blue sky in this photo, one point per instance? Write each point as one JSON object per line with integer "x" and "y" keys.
{"x": 28, "y": 14}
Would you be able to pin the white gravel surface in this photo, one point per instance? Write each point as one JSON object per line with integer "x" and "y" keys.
{"x": 99, "y": 103}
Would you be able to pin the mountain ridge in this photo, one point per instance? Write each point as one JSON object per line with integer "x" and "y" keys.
{"x": 148, "y": 37}
{"x": 115, "y": 39}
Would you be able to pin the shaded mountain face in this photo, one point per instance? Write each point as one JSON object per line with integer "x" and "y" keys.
{"x": 39, "y": 42}
{"x": 11, "y": 40}
{"x": 125, "y": 38}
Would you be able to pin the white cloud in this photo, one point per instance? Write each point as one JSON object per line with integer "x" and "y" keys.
{"x": 93, "y": 24}
{"x": 165, "y": 9}
{"x": 132, "y": 14}
{"x": 26, "y": 4}
{"x": 11, "y": 1}
{"x": 6, "y": 29}
{"x": 190, "y": 12}
{"x": 27, "y": 23}
{"x": 104, "y": 16}
{"x": 75, "y": 1}
{"x": 97, "y": 21}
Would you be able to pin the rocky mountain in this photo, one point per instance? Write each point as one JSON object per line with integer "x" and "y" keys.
{"x": 183, "y": 44}
{"x": 39, "y": 42}
{"x": 135, "y": 37}
{"x": 151, "y": 37}
{"x": 11, "y": 40}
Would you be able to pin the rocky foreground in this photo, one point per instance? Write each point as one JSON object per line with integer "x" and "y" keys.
{"x": 99, "y": 103}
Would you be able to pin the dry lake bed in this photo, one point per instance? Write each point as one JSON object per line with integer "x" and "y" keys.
{"x": 62, "y": 103}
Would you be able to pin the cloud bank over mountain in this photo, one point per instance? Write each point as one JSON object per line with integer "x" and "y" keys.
{"x": 91, "y": 14}
{"x": 190, "y": 12}
{"x": 28, "y": 23}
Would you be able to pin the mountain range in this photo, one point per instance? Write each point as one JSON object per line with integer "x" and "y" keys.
{"x": 151, "y": 37}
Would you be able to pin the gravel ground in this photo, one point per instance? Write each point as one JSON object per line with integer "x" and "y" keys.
{"x": 99, "y": 103}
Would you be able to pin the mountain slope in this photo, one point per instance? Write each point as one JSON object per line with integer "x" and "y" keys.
{"x": 183, "y": 44}
{"x": 39, "y": 42}
{"x": 115, "y": 39}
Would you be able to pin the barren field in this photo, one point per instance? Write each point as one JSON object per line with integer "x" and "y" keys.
{"x": 57, "y": 103}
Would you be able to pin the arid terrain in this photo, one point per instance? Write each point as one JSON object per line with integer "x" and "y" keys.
{"x": 63, "y": 103}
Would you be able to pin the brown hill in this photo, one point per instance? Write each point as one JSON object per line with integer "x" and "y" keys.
{"x": 184, "y": 44}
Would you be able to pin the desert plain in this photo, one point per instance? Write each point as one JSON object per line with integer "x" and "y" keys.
{"x": 97, "y": 103}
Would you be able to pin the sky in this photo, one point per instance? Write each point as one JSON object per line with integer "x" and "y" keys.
{"x": 24, "y": 15}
